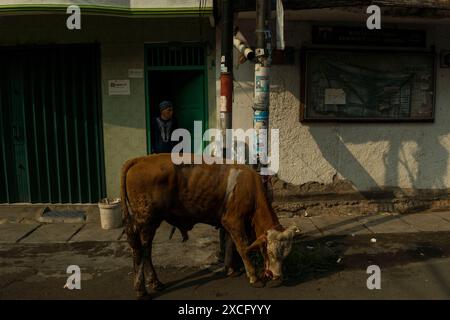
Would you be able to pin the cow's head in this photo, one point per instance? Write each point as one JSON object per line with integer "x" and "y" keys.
{"x": 275, "y": 246}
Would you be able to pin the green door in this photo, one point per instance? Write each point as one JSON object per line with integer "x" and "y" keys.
{"x": 189, "y": 104}
{"x": 50, "y": 125}
{"x": 177, "y": 73}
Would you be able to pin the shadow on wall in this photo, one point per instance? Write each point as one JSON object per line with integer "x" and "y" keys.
{"x": 425, "y": 167}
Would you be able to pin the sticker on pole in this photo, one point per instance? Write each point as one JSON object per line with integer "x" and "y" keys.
{"x": 262, "y": 86}
{"x": 223, "y": 104}
{"x": 261, "y": 124}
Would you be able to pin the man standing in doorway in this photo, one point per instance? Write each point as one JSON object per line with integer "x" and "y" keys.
{"x": 163, "y": 126}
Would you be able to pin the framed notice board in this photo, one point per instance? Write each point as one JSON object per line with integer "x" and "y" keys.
{"x": 339, "y": 85}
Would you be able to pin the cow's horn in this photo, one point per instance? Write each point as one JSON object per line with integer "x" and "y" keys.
{"x": 257, "y": 244}
{"x": 294, "y": 229}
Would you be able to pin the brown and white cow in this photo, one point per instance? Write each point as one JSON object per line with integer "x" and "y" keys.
{"x": 154, "y": 189}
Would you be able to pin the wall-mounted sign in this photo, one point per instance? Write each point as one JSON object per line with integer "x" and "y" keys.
{"x": 342, "y": 85}
{"x": 119, "y": 87}
{"x": 136, "y": 73}
{"x": 342, "y": 35}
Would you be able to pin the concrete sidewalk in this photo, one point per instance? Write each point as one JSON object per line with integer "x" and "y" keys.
{"x": 18, "y": 225}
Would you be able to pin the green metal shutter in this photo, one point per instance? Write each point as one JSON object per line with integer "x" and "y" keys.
{"x": 51, "y": 125}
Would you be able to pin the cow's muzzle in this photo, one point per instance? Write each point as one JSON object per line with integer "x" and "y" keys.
{"x": 269, "y": 275}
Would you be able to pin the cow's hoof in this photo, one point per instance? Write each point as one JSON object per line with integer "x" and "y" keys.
{"x": 158, "y": 286}
{"x": 233, "y": 273}
{"x": 155, "y": 286}
{"x": 274, "y": 283}
{"x": 142, "y": 295}
{"x": 257, "y": 284}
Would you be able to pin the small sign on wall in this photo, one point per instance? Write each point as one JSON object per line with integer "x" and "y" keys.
{"x": 135, "y": 73}
{"x": 119, "y": 87}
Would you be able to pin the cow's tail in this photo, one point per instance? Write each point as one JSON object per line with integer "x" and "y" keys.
{"x": 123, "y": 190}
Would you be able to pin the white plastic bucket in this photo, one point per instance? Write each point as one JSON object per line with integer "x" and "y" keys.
{"x": 110, "y": 213}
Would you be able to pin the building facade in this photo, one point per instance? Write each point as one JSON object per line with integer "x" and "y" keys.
{"x": 67, "y": 124}
{"x": 76, "y": 104}
{"x": 366, "y": 144}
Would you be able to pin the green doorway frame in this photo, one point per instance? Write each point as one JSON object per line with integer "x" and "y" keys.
{"x": 164, "y": 65}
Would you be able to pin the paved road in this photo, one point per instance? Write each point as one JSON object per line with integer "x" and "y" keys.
{"x": 413, "y": 266}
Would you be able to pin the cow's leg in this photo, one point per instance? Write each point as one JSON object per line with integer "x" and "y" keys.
{"x": 222, "y": 245}
{"x": 138, "y": 264}
{"x": 147, "y": 235}
{"x": 185, "y": 235}
{"x": 228, "y": 259}
{"x": 232, "y": 259}
{"x": 241, "y": 246}
{"x": 237, "y": 233}
{"x": 139, "y": 284}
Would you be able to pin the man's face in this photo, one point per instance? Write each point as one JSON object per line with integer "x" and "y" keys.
{"x": 167, "y": 113}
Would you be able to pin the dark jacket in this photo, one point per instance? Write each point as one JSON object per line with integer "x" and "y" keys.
{"x": 161, "y": 135}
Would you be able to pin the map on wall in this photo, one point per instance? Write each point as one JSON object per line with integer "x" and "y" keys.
{"x": 344, "y": 85}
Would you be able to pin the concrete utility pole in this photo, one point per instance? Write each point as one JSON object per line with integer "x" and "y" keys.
{"x": 226, "y": 106}
{"x": 226, "y": 69}
{"x": 262, "y": 77}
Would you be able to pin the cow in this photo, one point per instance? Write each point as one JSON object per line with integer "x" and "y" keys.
{"x": 154, "y": 189}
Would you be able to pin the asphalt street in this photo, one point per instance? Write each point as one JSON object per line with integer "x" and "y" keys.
{"x": 413, "y": 266}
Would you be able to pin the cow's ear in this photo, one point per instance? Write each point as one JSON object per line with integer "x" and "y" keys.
{"x": 258, "y": 243}
{"x": 293, "y": 231}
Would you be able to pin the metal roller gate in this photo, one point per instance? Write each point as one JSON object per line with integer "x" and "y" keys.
{"x": 51, "y": 147}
